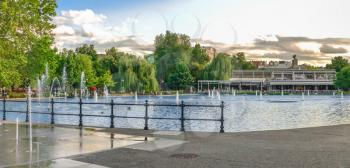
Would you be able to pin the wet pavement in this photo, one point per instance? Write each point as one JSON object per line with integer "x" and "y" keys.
{"x": 50, "y": 143}
{"x": 318, "y": 147}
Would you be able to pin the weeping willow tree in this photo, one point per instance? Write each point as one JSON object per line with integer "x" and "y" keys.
{"x": 171, "y": 49}
{"x": 219, "y": 69}
{"x": 130, "y": 72}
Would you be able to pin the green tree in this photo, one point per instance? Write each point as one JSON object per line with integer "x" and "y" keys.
{"x": 338, "y": 63}
{"x": 39, "y": 55}
{"x": 181, "y": 77}
{"x": 87, "y": 50}
{"x": 198, "y": 62}
{"x": 219, "y": 69}
{"x": 130, "y": 72}
{"x": 76, "y": 64}
{"x": 171, "y": 49}
{"x": 22, "y": 23}
{"x": 239, "y": 62}
{"x": 343, "y": 78}
{"x": 105, "y": 79}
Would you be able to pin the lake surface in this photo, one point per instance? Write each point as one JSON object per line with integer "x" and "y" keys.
{"x": 241, "y": 113}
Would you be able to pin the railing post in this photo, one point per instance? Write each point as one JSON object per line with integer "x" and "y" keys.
{"x": 4, "y": 107}
{"x": 222, "y": 118}
{"x": 112, "y": 114}
{"x": 80, "y": 113}
{"x": 27, "y": 111}
{"x": 52, "y": 112}
{"x": 182, "y": 116}
{"x": 146, "y": 115}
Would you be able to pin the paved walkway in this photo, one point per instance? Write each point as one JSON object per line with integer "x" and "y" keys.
{"x": 308, "y": 147}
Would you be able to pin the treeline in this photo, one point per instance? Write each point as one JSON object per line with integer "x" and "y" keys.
{"x": 178, "y": 64}
{"x": 26, "y": 42}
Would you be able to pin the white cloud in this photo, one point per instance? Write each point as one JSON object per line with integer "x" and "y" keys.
{"x": 64, "y": 30}
{"x": 79, "y": 17}
{"x": 77, "y": 27}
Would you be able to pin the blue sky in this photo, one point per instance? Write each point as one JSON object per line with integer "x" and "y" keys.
{"x": 231, "y": 22}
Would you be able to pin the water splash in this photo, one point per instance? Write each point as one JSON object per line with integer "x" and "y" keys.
{"x": 64, "y": 78}
{"x": 218, "y": 95}
{"x": 261, "y": 96}
{"x": 302, "y": 96}
{"x": 39, "y": 89}
{"x": 105, "y": 92}
{"x": 177, "y": 97}
{"x": 29, "y": 94}
{"x": 82, "y": 84}
{"x": 342, "y": 95}
{"x": 135, "y": 96}
{"x": 95, "y": 96}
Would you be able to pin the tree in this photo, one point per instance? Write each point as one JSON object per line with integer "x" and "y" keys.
{"x": 198, "y": 62}
{"x": 181, "y": 77}
{"x": 219, "y": 69}
{"x": 338, "y": 63}
{"x": 131, "y": 73}
{"x": 239, "y": 62}
{"x": 39, "y": 55}
{"x": 171, "y": 49}
{"x": 76, "y": 64}
{"x": 22, "y": 23}
{"x": 343, "y": 78}
{"x": 105, "y": 80}
{"x": 87, "y": 50}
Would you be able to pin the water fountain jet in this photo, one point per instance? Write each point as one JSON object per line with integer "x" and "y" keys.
{"x": 105, "y": 92}
{"x": 135, "y": 96}
{"x": 177, "y": 97}
{"x": 302, "y": 96}
{"x": 342, "y": 95}
{"x": 30, "y": 119}
{"x": 95, "y": 96}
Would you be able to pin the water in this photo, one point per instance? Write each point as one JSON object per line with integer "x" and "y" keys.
{"x": 64, "y": 78}
{"x": 242, "y": 113}
{"x": 95, "y": 96}
{"x": 55, "y": 142}
{"x": 302, "y": 96}
{"x": 136, "y": 98}
{"x": 105, "y": 92}
{"x": 177, "y": 97}
{"x": 82, "y": 84}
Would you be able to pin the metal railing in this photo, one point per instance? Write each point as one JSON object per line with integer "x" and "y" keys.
{"x": 112, "y": 115}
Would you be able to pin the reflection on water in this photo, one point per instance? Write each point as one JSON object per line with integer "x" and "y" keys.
{"x": 242, "y": 113}
{"x": 55, "y": 142}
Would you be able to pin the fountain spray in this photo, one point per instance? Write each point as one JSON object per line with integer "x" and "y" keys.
{"x": 261, "y": 96}
{"x": 17, "y": 122}
{"x": 30, "y": 119}
{"x": 302, "y": 96}
{"x": 177, "y": 97}
{"x": 95, "y": 96}
{"x": 136, "y": 98}
{"x": 342, "y": 95}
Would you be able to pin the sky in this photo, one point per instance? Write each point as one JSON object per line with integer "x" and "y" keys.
{"x": 314, "y": 30}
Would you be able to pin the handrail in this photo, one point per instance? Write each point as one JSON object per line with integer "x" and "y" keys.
{"x": 112, "y": 115}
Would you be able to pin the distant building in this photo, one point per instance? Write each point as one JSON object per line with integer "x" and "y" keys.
{"x": 276, "y": 76}
{"x": 277, "y": 64}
